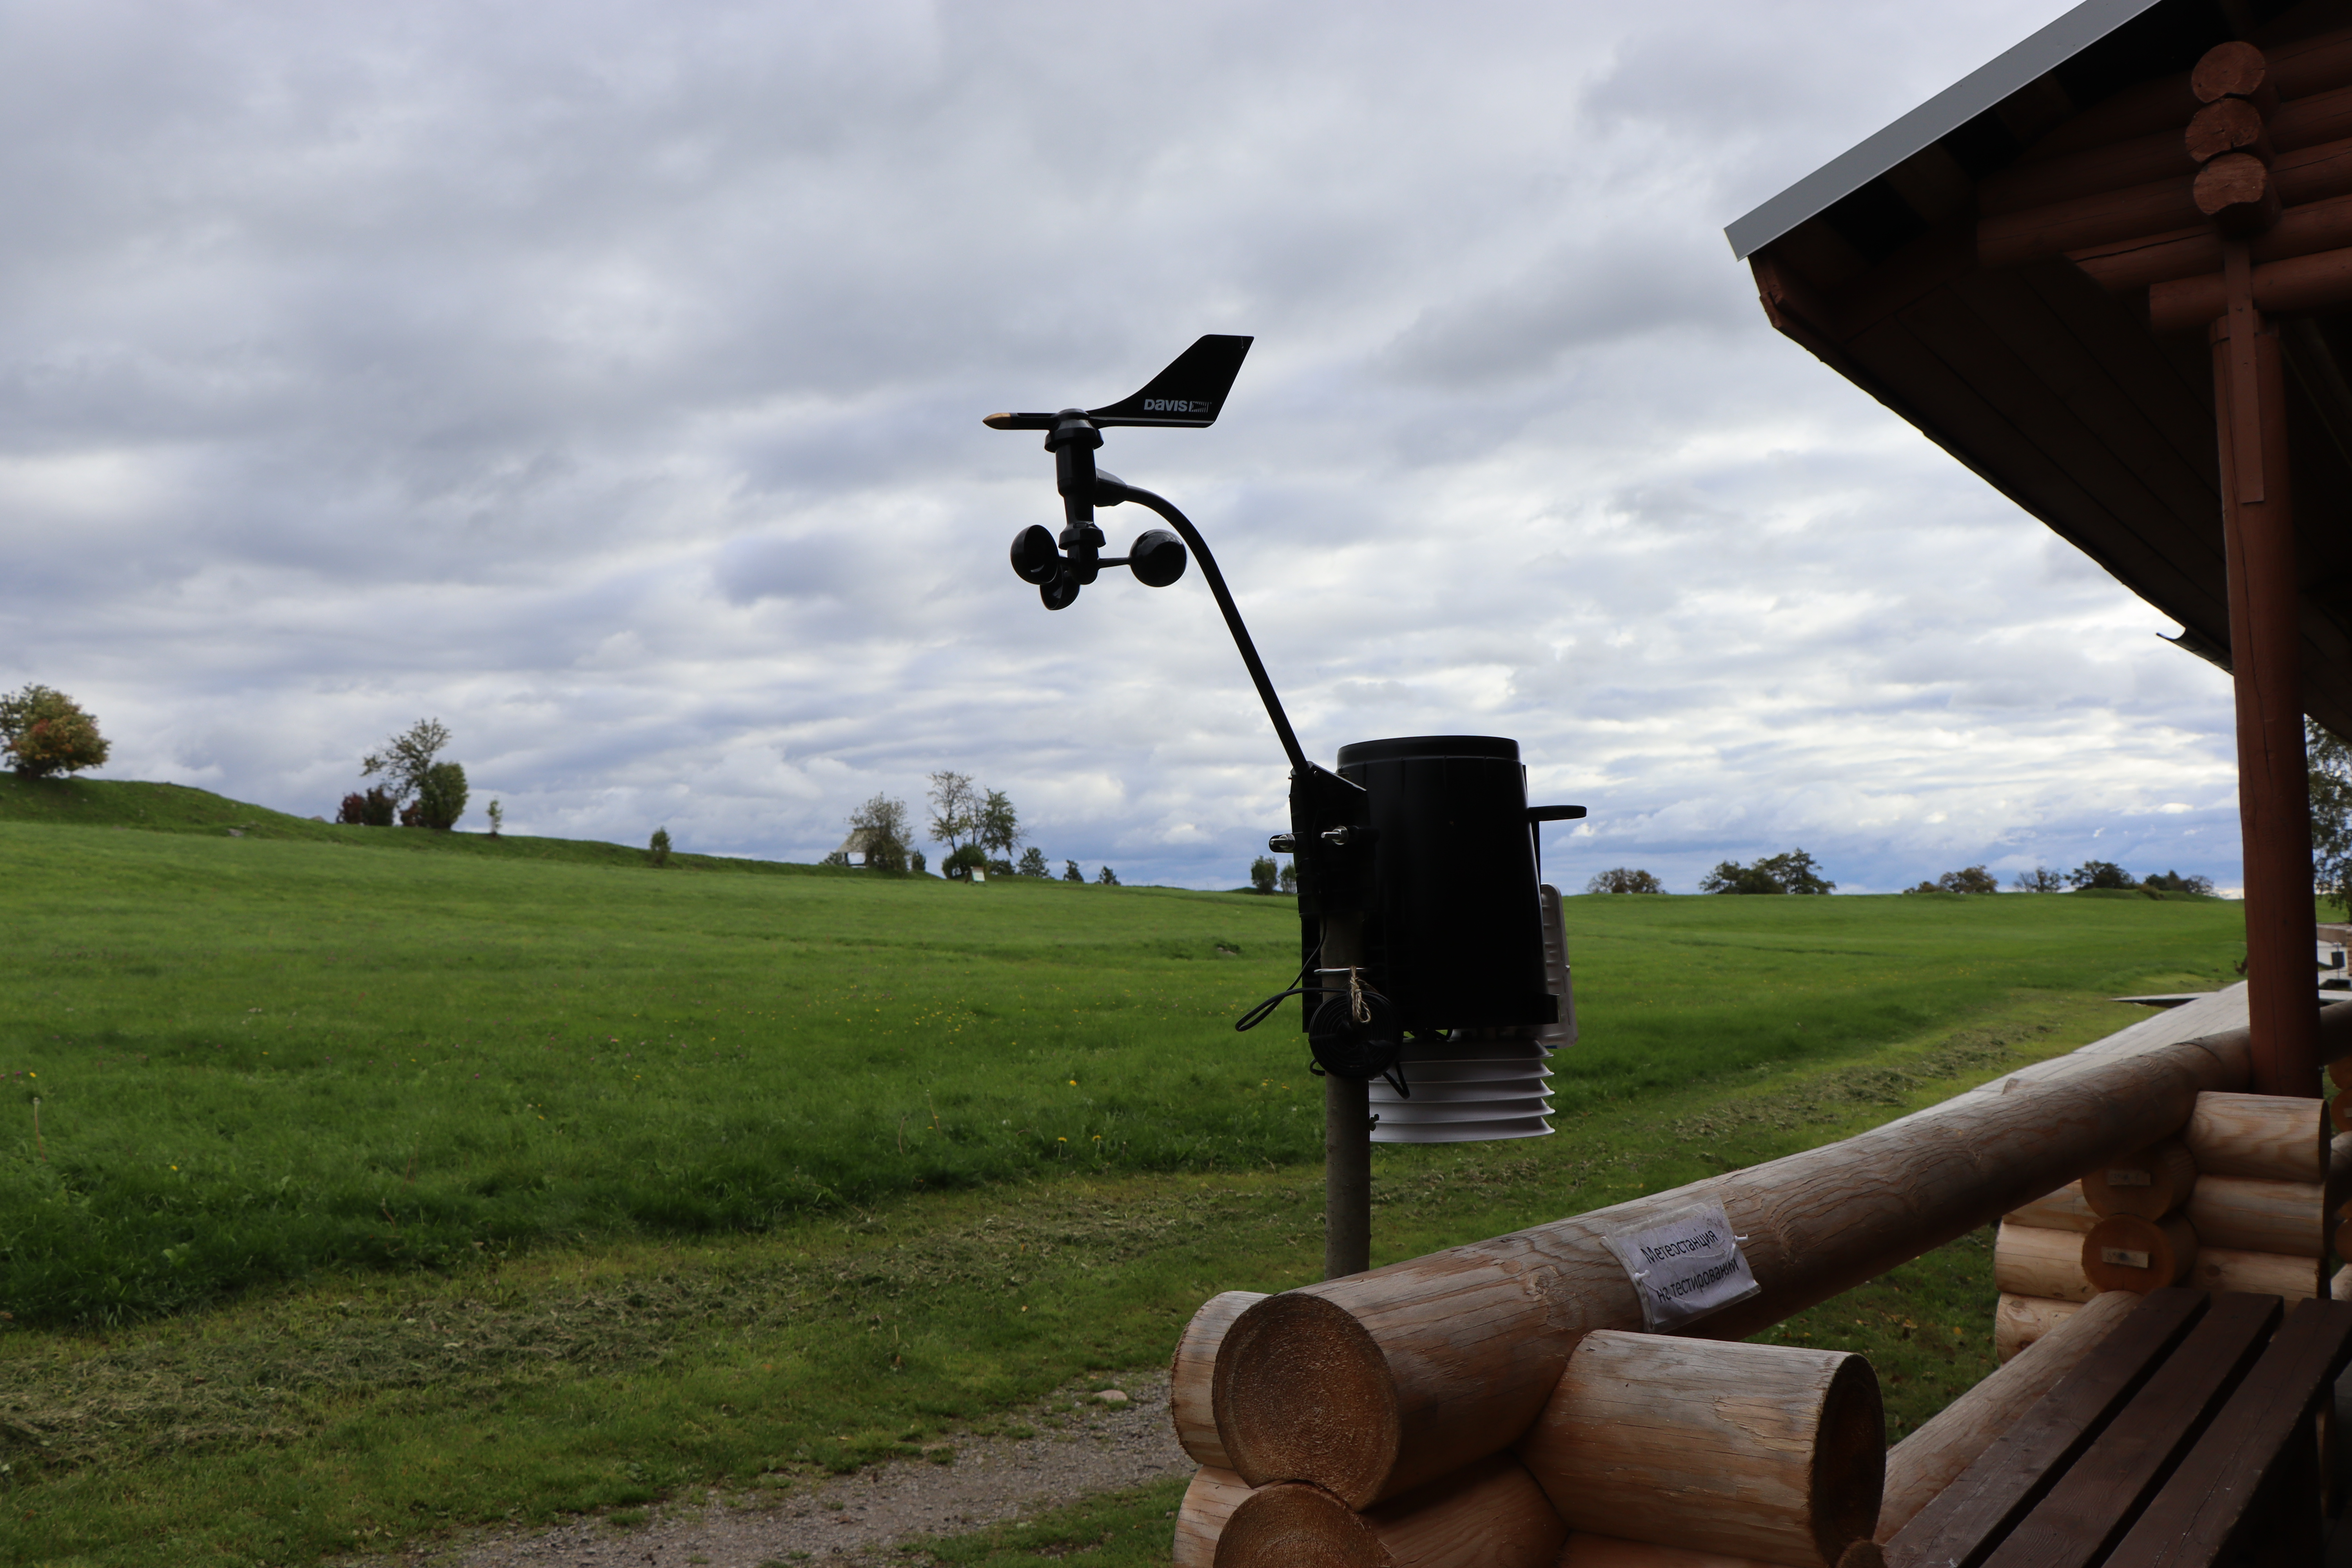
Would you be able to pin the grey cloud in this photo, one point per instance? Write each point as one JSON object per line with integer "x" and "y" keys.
{"x": 608, "y": 384}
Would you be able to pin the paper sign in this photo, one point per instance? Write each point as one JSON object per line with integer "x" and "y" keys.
{"x": 1684, "y": 1266}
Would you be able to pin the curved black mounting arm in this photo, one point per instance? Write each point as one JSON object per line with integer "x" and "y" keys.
{"x": 1191, "y": 536}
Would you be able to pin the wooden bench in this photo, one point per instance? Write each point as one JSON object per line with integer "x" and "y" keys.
{"x": 2188, "y": 1437}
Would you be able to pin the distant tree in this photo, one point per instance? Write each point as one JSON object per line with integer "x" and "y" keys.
{"x": 2041, "y": 880}
{"x": 1793, "y": 872}
{"x": 1625, "y": 879}
{"x": 1110, "y": 879}
{"x": 1262, "y": 874}
{"x": 2101, "y": 873}
{"x": 374, "y": 810}
{"x": 2174, "y": 882}
{"x": 406, "y": 758}
{"x": 960, "y": 863}
{"x": 658, "y": 851}
{"x": 441, "y": 799}
{"x": 915, "y": 861}
{"x": 1968, "y": 879}
{"x": 496, "y": 813}
{"x": 998, "y": 827}
{"x": 955, "y": 813}
{"x": 45, "y": 731}
{"x": 2330, "y": 772}
{"x": 1071, "y": 873}
{"x": 1288, "y": 881}
{"x": 1032, "y": 864}
{"x": 879, "y": 826}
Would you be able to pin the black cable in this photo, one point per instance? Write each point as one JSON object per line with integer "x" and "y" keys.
{"x": 1264, "y": 1010}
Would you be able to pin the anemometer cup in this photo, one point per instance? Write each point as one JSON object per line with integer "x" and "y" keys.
{"x": 1036, "y": 560}
{"x": 1157, "y": 558}
{"x": 1062, "y": 592}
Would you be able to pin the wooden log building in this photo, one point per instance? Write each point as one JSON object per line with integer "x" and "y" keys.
{"x": 2112, "y": 273}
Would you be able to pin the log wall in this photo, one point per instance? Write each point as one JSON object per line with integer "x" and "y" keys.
{"x": 1371, "y": 1385}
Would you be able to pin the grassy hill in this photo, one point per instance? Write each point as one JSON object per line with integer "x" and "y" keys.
{"x": 483, "y": 1185}
{"x": 181, "y": 808}
{"x": 263, "y": 1056}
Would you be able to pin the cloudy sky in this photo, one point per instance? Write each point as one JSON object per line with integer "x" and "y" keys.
{"x": 605, "y": 379}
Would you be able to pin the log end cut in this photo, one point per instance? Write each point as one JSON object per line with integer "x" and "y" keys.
{"x": 1294, "y": 1523}
{"x": 2234, "y": 69}
{"x": 1849, "y": 1460}
{"x": 1302, "y": 1391}
{"x": 2125, "y": 1252}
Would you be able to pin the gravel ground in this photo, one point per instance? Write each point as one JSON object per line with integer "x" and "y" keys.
{"x": 859, "y": 1517}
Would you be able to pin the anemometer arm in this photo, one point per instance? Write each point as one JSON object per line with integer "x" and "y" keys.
{"x": 1200, "y": 548}
{"x": 1188, "y": 394}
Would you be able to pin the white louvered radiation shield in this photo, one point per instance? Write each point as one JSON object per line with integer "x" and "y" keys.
{"x": 1482, "y": 1090}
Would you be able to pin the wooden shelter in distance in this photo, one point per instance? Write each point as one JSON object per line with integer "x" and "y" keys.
{"x": 2112, "y": 273}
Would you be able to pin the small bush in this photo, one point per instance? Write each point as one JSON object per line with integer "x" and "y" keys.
{"x": 2174, "y": 882}
{"x": 441, "y": 796}
{"x": 658, "y": 851}
{"x": 46, "y": 731}
{"x": 374, "y": 810}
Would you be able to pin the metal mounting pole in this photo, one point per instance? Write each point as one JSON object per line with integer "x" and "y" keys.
{"x": 1347, "y": 1136}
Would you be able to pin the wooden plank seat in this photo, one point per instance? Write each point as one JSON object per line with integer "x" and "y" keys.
{"x": 2186, "y": 1437}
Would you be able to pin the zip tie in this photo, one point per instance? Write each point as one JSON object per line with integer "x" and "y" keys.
{"x": 1357, "y": 1008}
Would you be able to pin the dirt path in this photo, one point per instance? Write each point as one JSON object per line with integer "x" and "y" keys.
{"x": 1100, "y": 1448}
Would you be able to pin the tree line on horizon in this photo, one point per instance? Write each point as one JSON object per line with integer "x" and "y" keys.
{"x": 981, "y": 827}
{"x": 45, "y": 732}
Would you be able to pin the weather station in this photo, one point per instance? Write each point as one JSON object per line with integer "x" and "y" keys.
{"x": 1434, "y": 979}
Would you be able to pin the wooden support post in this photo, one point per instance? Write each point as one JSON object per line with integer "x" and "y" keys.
{"x": 2273, "y": 799}
{"x": 1347, "y": 1176}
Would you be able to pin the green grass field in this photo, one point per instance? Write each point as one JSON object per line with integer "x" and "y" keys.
{"x": 489, "y": 1183}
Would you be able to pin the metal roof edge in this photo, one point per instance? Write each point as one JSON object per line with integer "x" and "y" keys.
{"x": 2011, "y": 71}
